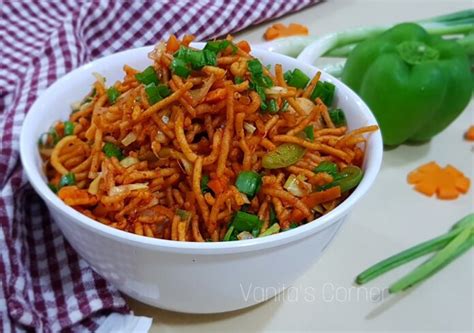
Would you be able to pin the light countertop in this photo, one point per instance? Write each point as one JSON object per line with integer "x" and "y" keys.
{"x": 389, "y": 219}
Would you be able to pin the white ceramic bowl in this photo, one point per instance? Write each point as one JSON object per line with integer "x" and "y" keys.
{"x": 189, "y": 277}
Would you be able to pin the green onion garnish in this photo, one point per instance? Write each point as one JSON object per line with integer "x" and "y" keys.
{"x": 180, "y": 68}
{"x": 272, "y": 106}
{"x": 68, "y": 128}
{"x": 238, "y": 80}
{"x": 338, "y": 117}
{"x": 273, "y": 216}
{"x": 228, "y": 234}
{"x": 325, "y": 91}
{"x": 248, "y": 182}
{"x": 113, "y": 94}
{"x": 112, "y": 150}
{"x": 53, "y": 187}
{"x": 284, "y": 106}
{"x": 147, "y": 76}
{"x": 217, "y": 46}
{"x": 204, "y": 181}
{"x": 296, "y": 78}
{"x": 67, "y": 180}
{"x": 274, "y": 229}
{"x": 309, "y": 132}
{"x": 156, "y": 93}
{"x": 243, "y": 221}
{"x": 293, "y": 225}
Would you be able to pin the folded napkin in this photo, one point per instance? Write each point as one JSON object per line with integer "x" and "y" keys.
{"x": 45, "y": 286}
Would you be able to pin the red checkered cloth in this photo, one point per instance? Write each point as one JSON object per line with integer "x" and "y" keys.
{"x": 45, "y": 286}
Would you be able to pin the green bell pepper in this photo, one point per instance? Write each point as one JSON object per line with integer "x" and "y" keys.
{"x": 416, "y": 84}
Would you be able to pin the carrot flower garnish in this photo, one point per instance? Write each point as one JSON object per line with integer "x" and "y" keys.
{"x": 447, "y": 183}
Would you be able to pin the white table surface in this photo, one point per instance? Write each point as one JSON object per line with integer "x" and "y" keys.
{"x": 390, "y": 218}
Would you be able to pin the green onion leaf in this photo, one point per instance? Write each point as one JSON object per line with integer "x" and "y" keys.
{"x": 338, "y": 117}
{"x": 180, "y": 68}
{"x": 217, "y": 46}
{"x": 183, "y": 214}
{"x": 296, "y": 78}
{"x": 273, "y": 216}
{"x": 272, "y": 106}
{"x": 248, "y": 182}
{"x": 228, "y": 234}
{"x": 112, "y": 95}
{"x": 325, "y": 91}
{"x": 328, "y": 167}
{"x": 53, "y": 187}
{"x": 243, "y": 221}
{"x": 274, "y": 229}
{"x": 68, "y": 128}
{"x": 112, "y": 150}
{"x": 204, "y": 181}
{"x": 156, "y": 93}
{"x": 293, "y": 225}
{"x": 284, "y": 106}
{"x": 147, "y": 76}
{"x": 309, "y": 132}
{"x": 238, "y": 80}
{"x": 67, "y": 180}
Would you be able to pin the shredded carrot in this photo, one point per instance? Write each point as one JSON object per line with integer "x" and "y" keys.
{"x": 314, "y": 199}
{"x": 279, "y": 30}
{"x": 244, "y": 46}
{"x": 447, "y": 183}
{"x": 470, "y": 134}
{"x": 172, "y": 45}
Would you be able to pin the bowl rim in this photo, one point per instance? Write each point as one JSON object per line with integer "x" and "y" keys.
{"x": 373, "y": 164}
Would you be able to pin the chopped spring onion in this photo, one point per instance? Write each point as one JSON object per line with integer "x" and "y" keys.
{"x": 112, "y": 95}
{"x": 273, "y": 216}
{"x": 283, "y": 156}
{"x": 245, "y": 235}
{"x": 411, "y": 253}
{"x": 325, "y": 91}
{"x": 238, "y": 80}
{"x": 228, "y": 234}
{"x": 243, "y": 221}
{"x": 249, "y": 128}
{"x": 67, "y": 180}
{"x": 274, "y": 229}
{"x": 284, "y": 106}
{"x": 293, "y": 225}
{"x": 272, "y": 106}
{"x": 259, "y": 81}
{"x": 276, "y": 91}
{"x": 147, "y": 76}
{"x": 129, "y": 161}
{"x": 297, "y": 186}
{"x": 196, "y": 58}
{"x": 183, "y": 214}
{"x": 129, "y": 139}
{"x": 328, "y": 167}
{"x": 112, "y": 150}
{"x": 53, "y": 187}
{"x": 180, "y": 68}
{"x": 117, "y": 190}
{"x": 309, "y": 132}
{"x": 248, "y": 182}
{"x": 68, "y": 128}
{"x": 204, "y": 181}
{"x": 296, "y": 78}
{"x": 338, "y": 117}
{"x": 94, "y": 185}
{"x": 217, "y": 46}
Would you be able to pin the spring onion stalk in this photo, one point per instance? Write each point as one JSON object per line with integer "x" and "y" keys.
{"x": 406, "y": 256}
{"x": 438, "y": 243}
{"x": 339, "y": 44}
{"x": 457, "y": 246}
